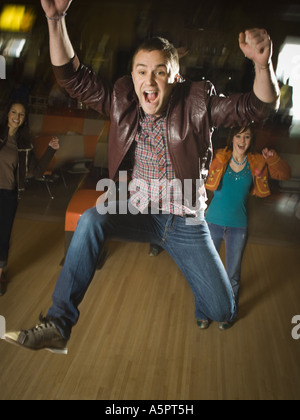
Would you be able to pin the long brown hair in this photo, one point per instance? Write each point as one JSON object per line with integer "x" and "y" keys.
{"x": 23, "y": 134}
{"x": 239, "y": 130}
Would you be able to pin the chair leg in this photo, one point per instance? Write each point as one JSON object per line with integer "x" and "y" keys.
{"x": 48, "y": 188}
{"x": 63, "y": 178}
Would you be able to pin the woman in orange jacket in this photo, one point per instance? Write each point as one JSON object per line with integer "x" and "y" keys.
{"x": 236, "y": 171}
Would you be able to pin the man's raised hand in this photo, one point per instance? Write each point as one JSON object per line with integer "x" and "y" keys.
{"x": 55, "y": 8}
{"x": 257, "y": 46}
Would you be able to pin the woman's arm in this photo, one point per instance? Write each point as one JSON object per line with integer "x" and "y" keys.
{"x": 278, "y": 168}
{"x": 37, "y": 167}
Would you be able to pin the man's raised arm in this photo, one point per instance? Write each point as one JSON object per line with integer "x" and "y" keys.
{"x": 61, "y": 49}
{"x": 257, "y": 46}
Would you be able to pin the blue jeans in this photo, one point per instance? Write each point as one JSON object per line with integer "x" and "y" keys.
{"x": 235, "y": 244}
{"x": 189, "y": 244}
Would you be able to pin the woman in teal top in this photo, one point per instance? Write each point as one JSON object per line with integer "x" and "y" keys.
{"x": 229, "y": 204}
{"x": 236, "y": 171}
{"x": 227, "y": 214}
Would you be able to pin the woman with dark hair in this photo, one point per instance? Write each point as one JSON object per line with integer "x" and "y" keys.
{"x": 235, "y": 171}
{"x": 16, "y": 161}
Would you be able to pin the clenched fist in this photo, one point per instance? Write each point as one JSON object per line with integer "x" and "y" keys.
{"x": 256, "y": 44}
{"x": 54, "y": 8}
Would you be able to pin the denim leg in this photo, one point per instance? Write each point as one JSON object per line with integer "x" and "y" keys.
{"x": 194, "y": 252}
{"x": 217, "y": 234}
{"x": 235, "y": 243}
{"x": 190, "y": 246}
{"x": 81, "y": 261}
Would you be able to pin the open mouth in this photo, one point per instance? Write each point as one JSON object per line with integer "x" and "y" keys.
{"x": 242, "y": 148}
{"x": 150, "y": 96}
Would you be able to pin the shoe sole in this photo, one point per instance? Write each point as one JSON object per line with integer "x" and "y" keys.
{"x": 203, "y": 326}
{"x": 51, "y": 350}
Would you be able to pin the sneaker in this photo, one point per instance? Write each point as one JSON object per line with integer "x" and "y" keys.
{"x": 155, "y": 250}
{"x": 224, "y": 326}
{"x": 45, "y": 336}
{"x": 203, "y": 325}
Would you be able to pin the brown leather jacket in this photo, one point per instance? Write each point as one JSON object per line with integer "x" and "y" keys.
{"x": 194, "y": 111}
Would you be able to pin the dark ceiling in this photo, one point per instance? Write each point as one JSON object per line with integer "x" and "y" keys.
{"x": 104, "y": 32}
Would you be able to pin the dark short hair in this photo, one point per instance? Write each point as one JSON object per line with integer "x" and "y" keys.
{"x": 160, "y": 44}
{"x": 236, "y": 130}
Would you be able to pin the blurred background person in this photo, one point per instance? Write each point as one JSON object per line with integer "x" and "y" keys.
{"x": 16, "y": 161}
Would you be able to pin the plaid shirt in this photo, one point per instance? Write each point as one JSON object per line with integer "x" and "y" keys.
{"x": 153, "y": 171}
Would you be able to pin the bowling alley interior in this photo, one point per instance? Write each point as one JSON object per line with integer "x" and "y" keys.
{"x": 137, "y": 337}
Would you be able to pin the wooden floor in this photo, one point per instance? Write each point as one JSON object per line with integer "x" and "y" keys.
{"x": 137, "y": 337}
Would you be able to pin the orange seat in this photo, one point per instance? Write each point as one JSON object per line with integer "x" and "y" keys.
{"x": 81, "y": 201}
{"x": 59, "y": 124}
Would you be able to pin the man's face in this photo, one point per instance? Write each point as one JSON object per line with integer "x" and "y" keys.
{"x": 153, "y": 81}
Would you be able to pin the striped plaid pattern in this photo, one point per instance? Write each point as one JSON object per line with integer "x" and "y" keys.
{"x": 153, "y": 169}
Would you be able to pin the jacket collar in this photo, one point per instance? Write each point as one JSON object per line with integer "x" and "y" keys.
{"x": 256, "y": 161}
